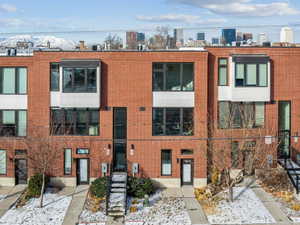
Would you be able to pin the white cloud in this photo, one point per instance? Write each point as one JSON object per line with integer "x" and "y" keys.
{"x": 12, "y": 22}
{"x": 179, "y": 18}
{"x": 242, "y": 7}
{"x": 8, "y": 8}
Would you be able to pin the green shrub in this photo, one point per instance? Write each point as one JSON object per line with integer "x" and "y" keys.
{"x": 98, "y": 187}
{"x": 139, "y": 187}
{"x": 35, "y": 185}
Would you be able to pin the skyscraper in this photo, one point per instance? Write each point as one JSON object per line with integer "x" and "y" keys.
{"x": 239, "y": 36}
{"x": 287, "y": 35}
{"x": 140, "y": 37}
{"x": 262, "y": 38}
{"x": 215, "y": 41}
{"x": 247, "y": 36}
{"x": 178, "y": 35}
{"x": 201, "y": 36}
{"x": 131, "y": 40}
{"x": 228, "y": 36}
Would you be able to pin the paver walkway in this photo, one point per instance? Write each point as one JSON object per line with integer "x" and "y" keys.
{"x": 76, "y": 205}
{"x": 12, "y": 195}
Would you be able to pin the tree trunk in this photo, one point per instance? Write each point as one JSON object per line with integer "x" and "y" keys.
{"x": 230, "y": 193}
{"x": 42, "y": 191}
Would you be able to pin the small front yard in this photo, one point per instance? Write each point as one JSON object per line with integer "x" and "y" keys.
{"x": 52, "y": 213}
{"x": 245, "y": 209}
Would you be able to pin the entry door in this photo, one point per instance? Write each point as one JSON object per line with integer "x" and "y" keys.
{"x": 82, "y": 171}
{"x": 120, "y": 139}
{"x": 284, "y": 131}
{"x": 21, "y": 171}
{"x": 187, "y": 171}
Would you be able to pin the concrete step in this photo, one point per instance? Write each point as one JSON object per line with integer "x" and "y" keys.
{"x": 116, "y": 208}
{"x": 119, "y": 177}
{"x": 118, "y": 185}
{"x": 118, "y": 190}
{"x": 116, "y": 213}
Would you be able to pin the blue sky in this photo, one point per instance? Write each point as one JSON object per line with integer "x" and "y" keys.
{"x": 56, "y": 15}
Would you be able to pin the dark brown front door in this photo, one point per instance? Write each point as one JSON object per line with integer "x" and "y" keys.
{"x": 187, "y": 170}
{"x": 21, "y": 171}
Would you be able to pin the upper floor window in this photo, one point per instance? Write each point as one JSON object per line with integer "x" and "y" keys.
{"x": 75, "y": 122}
{"x": 241, "y": 114}
{"x": 173, "y": 121}
{"x": 54, "y": 76}
{"x": 173, "y": 77}
{"x": 223, "y": 72}
{"x": 247, "y": 74}
{"x": 13, "y": 80}
{"x": 79, "y": 80}
{"x": 13, "y": 122}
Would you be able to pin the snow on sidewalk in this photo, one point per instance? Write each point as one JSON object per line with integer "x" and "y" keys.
{"x": 246, "y": 208}
{"x": 52, "y": 213}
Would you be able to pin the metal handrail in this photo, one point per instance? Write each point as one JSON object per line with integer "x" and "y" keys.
{"x": 295, "y": 174}
{"x": 108, "y": 187}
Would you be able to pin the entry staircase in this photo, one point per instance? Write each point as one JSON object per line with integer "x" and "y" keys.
{"x": 117, "y": 195}
{"x": 293, "y": 171}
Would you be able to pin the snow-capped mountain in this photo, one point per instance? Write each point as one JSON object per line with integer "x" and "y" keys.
{"x": 39, "y": 41}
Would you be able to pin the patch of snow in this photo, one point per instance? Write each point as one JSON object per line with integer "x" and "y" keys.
{"x": 246, "y": 208}
{"x": 39, "y": 41}
{"x": 53, "y": 212}
{"x": 166, "y": 211}
{"x": 88, "y": 217}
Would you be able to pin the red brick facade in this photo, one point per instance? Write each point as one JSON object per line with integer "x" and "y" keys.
{"x": 126, "y": 81}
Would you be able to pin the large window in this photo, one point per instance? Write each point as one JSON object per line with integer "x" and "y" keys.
{"x": 223, "y": 70}
{"x": 75, "y": 122}
{"x": 79, "y": 80}
{"x": 250, "y": 74}
{"x": 68, "y": 161}
{"x": 13, "y": 122}
{"x": 54, "y": 77}
{"x": 173, "y": 77}
{"x": 166, "y": 162}
{"x": 13, "y": 80}
{"x": 241, "y": 114}
{"x": 2, "y": 162}
{"x": 173, "y": 121}
{"x": 235, "y": 154}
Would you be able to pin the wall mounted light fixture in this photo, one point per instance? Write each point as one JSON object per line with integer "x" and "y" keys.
{"x": 132, "y": 149}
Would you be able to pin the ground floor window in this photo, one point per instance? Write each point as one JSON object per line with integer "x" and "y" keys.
{"x": 68, "y": 161}
{"x": 166, "y": 162}
{"x": 234, "y": 154}
{"x": 2, "y": 162}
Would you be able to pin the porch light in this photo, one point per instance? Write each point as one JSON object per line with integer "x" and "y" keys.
{"x": 132, "y": 149}
{"x": 108, "y": 149}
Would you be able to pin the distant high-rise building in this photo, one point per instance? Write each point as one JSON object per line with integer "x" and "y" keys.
{"x": 239, "y": 36}
{"x": 262, "y": 38}
{"x": 178, "y": 35}
{"x": 131, "y": 40}
{"x": 228, "y": 36}
{"x": 215, "y": 41}
{"x": 287, "y": 35}
{"x": 140, "y": 37}
{"x": 201, "y": 36}
{"x": 247, "y": 36}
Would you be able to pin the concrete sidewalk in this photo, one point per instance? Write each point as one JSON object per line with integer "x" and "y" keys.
{"x": 194, "y": 209}
{"x": 76, "y": 205}
{"x": 12, "y": 195}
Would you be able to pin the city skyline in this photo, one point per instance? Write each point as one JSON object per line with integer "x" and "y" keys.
{"x": 16, "y": 16}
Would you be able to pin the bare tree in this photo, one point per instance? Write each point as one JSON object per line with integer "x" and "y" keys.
{"x": 160, "y": 39}
{"x": 240, "y": 150}
{"x": 43, "y": 153}
{"x": 113, "y": 42}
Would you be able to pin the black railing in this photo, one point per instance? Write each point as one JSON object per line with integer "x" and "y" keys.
{"x": 292, "y": 172}
{"x": 108, "y": 187}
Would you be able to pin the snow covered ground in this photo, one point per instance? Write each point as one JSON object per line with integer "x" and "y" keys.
{"x": 246, "y": 208}
{"x": 162, "y": 211}
{"x": 90, "y": 218}
{"x": 52, "y": 213}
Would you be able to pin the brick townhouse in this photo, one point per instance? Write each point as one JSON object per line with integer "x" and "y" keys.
{"x": 148, "y": 113}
